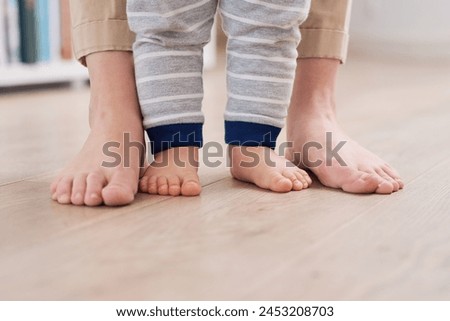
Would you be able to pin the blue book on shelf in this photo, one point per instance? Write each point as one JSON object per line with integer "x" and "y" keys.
{"x": 28, "y": 31}
{"x": 43, "y": 29}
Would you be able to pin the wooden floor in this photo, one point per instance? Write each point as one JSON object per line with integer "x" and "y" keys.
{"x": 236, "y": 242}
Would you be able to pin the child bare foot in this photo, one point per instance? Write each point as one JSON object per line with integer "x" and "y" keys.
{"x": 264, "y": 168}
{"x": 114, "y": 117}
{"x": 174, "y": 172}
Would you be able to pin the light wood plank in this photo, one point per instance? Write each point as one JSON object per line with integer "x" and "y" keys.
{"x": 392, "y": 251}
{"x": 236, "y": 241}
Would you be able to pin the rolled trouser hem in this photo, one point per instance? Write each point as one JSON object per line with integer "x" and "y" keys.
{"x": 97, "y": 36}
{"x": 241, "y": 133}
{"x": 324, "y": 43}
{"x": 177, "y": 135}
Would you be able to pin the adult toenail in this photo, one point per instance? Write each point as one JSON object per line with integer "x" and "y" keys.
{"x": 64, "y": 198}
{"x": 93, "y": 195}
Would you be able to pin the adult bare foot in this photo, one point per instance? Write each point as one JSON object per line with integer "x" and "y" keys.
{"x": 95, "y": 177}
{"x": 312, "y": 121}
{"x": 351, "y": 168}
{"x": 264, "y": 168}
{"x": 173, "y": 172}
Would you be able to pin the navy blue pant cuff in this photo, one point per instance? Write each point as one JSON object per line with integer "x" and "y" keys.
{"x": 176, "y": 135}
{"x": 251, "y": 134}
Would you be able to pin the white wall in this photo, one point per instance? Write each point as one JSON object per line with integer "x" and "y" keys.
{"x": 210, "y": 52}
{"x": 404, "y": 27}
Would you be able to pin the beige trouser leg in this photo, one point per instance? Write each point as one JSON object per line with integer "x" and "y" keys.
{"x": 325, "y": 32}
{"x": 101, "y": 25}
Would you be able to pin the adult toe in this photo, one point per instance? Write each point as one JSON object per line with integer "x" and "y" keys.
{"x": 94, "y": 185}
{"x": 64, "y": 190}
{"x": 79, "y": 189}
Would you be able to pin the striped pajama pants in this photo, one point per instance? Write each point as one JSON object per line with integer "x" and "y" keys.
{"x": 263, "y": 36}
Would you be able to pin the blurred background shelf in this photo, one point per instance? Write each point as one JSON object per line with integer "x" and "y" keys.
{"x": 36, "y": 45}
{"x": 40, "y": 74}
